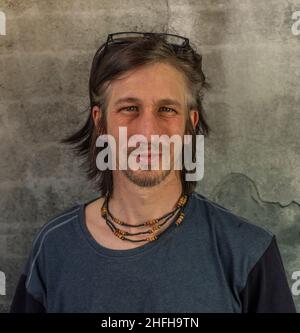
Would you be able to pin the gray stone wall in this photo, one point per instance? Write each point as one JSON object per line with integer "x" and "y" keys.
{"x": 251, "y": 59}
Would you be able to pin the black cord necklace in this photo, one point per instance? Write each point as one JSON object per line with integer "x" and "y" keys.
{"x": 154, "y": 223}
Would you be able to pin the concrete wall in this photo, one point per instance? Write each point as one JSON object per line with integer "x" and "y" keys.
{"x": 250, "y": 57}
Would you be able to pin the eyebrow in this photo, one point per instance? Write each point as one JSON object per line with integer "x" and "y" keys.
{"x": 166, "y": 101}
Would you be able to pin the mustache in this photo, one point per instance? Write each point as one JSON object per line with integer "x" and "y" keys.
{"x": 144, "y": 150}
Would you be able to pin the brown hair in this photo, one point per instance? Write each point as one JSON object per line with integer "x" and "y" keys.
{"x": 119, "y": 59}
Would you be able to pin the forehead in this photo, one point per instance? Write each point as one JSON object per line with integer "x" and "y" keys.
{"x": 151, "y": 81}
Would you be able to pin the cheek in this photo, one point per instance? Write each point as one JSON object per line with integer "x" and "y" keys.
{"x": 176, "y": 127}
{"x": 171, "y": 126}
{"x": 112, "y": 126}
{"x": 114, "y": 121}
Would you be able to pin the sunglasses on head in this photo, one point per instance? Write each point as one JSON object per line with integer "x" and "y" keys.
{"x": 132, "y": 36}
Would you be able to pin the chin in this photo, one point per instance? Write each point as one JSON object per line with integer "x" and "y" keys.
{"x": 146, "y": 178}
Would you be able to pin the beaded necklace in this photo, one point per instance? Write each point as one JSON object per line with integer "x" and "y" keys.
{"x": 111, "y": 221}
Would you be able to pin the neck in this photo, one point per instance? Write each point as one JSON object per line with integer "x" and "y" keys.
{"x": 135, "y": 204}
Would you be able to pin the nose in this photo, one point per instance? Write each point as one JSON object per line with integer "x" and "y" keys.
{"x": 147, "y": 124}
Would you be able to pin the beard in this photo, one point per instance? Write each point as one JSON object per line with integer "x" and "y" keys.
{"x": 146, "y": 178}
{"x": 150, "y": 178}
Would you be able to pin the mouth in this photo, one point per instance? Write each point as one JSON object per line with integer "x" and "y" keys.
{"x": 146, "y": 158}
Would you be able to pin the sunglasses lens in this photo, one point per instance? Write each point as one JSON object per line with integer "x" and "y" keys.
{"x": 132, "y": 36}
{"x": 175, "y": 40}
{"x": 126, "y": 35}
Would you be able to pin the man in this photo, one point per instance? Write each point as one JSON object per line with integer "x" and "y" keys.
{"x": 149, "y": 242}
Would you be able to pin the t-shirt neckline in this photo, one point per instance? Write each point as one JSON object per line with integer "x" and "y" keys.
{"x": 101, "y": 249}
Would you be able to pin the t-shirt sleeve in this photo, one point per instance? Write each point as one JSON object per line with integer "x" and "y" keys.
{"x": 267, "y": 289}
{"x": 30, "y": 292}
{"x": 23, "y": 301}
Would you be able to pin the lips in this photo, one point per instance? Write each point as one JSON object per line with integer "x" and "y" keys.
{"x": 149, "y": 154}
{"x": 147, "y": 157}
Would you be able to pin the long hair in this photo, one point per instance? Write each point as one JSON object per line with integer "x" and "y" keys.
{"x": 117, "y": 60}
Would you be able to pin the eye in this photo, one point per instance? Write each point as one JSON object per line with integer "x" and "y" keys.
{"x": 168, "y": 110}
{"x": 127, "y": 108}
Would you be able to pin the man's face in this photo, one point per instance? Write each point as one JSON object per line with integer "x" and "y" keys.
{"x": 147, "y": 115}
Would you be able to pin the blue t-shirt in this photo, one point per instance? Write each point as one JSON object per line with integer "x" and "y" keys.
{"x": 214, "y": 261}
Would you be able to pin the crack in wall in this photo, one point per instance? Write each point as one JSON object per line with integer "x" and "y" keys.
{"x": 238, "y": 174}
{"x": 168, "y": 16}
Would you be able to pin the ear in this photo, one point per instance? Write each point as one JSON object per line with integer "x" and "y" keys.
{"x": 96, "y": 114}
{"x": 194, "y": 115}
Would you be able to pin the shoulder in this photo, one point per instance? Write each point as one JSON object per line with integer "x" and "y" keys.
{"x": 240, "y": 243}
{"x": 56, "y": 224}
{"x": 50, "y": 236}
{"x": 230, "y": 224}
{"x": 52, "y": 233}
